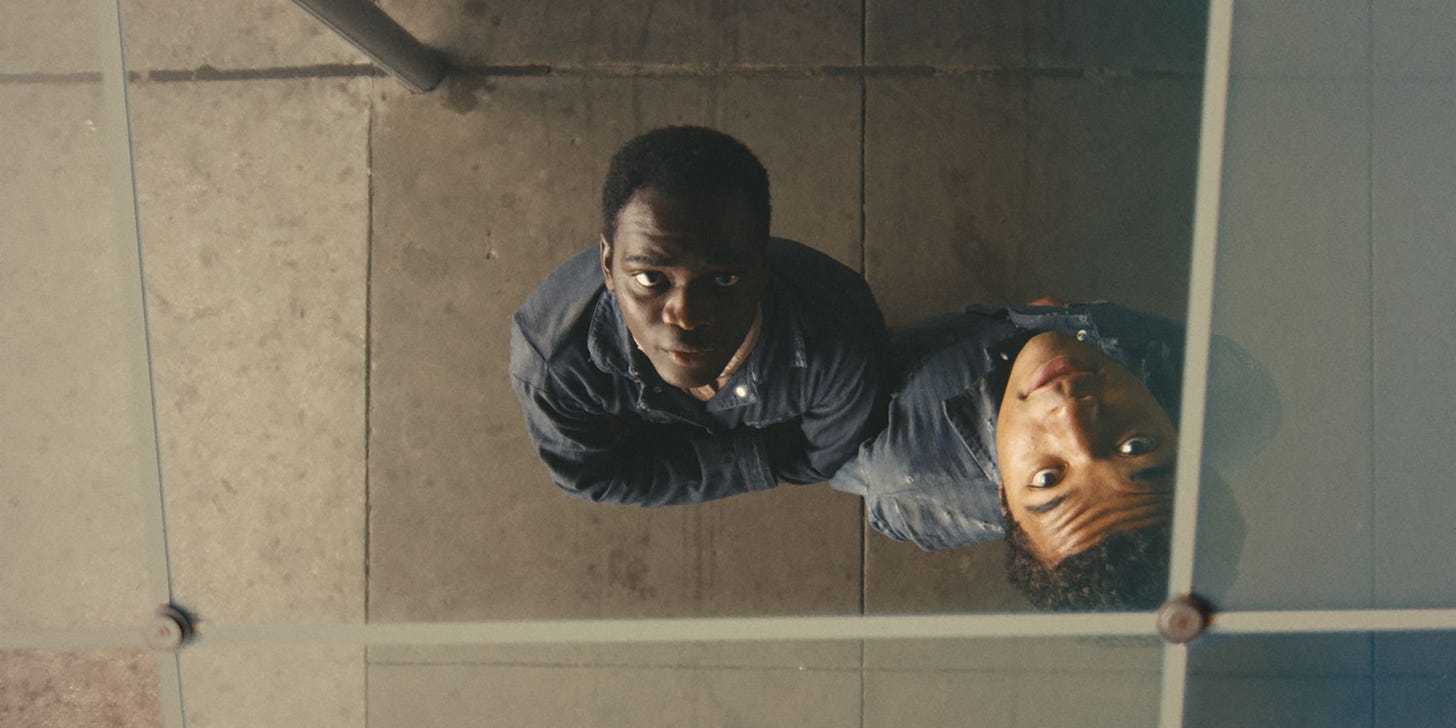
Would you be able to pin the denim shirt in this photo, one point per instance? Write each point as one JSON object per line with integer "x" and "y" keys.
{"x": 931, "y": 477}
{"x": 611, "y": 431}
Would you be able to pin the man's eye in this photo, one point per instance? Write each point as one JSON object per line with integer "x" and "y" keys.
{"x": 1137, "y": 445}
{"x": 1046, "y": 477}
{"x": 648, "y": 278}
{"x": 724, "y": 280}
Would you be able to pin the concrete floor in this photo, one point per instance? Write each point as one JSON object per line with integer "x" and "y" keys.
{"x": 332, "y": 260}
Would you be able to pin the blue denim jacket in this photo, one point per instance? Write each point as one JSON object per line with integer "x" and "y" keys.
{"x": 611, "y": 431}
{"x": 931, "y": 477}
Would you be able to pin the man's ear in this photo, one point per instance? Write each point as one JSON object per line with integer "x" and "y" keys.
{"x": 605, "y": 248}
{"x": 1001, "y": 494}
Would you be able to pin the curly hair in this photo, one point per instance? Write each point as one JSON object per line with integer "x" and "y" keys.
{"x": 1126, "y": 570}
{"x": 684, "y": 160}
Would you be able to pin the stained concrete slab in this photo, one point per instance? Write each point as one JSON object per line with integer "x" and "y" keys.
{"x": 77, "y": 462}
{"x": 1063, "y": 35}
{"x": 900, "y": 578}
{"x": 50, "y": 38}
{"x": 255, "y": 34}
{"x": 937, "y": 699}
{"x": 477, "y": 198}
{"x": 1111, "y": 167}
{"x": 947, "y": 33}
{"x": 997, "y": 189}
{"x": 1142, "y": 36}
{"x": 254, "y": 199}
{"x": 111, "y": 688}
{"x": 945, "y": 203}
{"x": 243, "y": 687}
{"x": 495, "y": 32}
{"x": 610, "y": 697}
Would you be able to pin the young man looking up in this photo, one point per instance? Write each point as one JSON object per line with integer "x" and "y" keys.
{"x": 689, "y": 356}
{"x": 1048, "y": 426}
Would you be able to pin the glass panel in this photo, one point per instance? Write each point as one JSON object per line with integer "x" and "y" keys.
{"x": 238, "y": 686}
{"x": 1415, "y": 680}
{"x": 334, "y": 262}
{"x": 1108, "y": 681}
{"x": 77, "y": 456}
{"x": 1401, "y": 680}
{"x": 114, "y": 688}
{"x": 1328, "y": 485}
{"x": 927, "y": 684}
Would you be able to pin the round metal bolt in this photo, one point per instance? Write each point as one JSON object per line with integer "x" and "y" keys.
{"x": 1182, "y": 619}
{"x": 168, "y": 629}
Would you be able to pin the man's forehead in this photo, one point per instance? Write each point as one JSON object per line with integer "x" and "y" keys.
{"x": 666, "y": 254}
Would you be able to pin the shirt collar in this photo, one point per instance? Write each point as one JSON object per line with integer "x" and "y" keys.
{"x": 608, "y": 343}
{"x": 782, "y": 345}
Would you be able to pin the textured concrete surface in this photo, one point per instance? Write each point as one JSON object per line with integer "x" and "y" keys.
{"x": 492, "y": 32}
{"x": 284, "y": 686}
{"x": 945, "y": 183}
{"x": 88, "y": 689}
{"x": 254, "y": 199}
{"x": 51, "y": 38}
{"x": 1108, "y": 34}
{"x": 75, "y": 424}
{"x": 619, "y": 695}
{"x": 167, "y": 35}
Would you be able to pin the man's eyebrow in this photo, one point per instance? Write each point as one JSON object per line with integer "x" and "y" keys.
{"x": 662, "y": 260}
{"x": 1047, "y": 506}
{"x": 1158, "y": 472}
{"x": 653, "y": 259}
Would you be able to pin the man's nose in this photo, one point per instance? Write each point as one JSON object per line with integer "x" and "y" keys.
{"x": 1078, "y": 418}
{"x": 686, "y": 308}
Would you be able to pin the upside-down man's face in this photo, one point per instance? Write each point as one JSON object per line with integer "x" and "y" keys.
{"x": 1083, "y": 447}
{"x": 688, "y": 273}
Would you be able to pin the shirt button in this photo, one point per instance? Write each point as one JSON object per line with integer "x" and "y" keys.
{"x": 657, "y": 388}
{"x": 741, "y": 391}
{"x": 1082, "y": 335}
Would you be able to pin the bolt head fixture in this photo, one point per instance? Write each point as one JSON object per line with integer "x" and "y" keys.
{"x": 1181, "y": 619}
{"x": 169, "y": 629}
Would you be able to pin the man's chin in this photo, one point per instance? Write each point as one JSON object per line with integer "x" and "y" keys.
{"x": 681, "y": 377}
{"x": 687, "y": 377}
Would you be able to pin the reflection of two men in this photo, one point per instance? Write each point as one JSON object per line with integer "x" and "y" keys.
{"x": 690, "y": 356}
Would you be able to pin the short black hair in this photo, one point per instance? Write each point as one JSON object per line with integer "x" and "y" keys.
{"x": 684, "y": 160}
{"x": 1126, "y": 570}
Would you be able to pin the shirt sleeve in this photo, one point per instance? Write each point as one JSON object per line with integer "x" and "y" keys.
{"x": 625, "y": 460}
{"x": 848, "y": 400}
